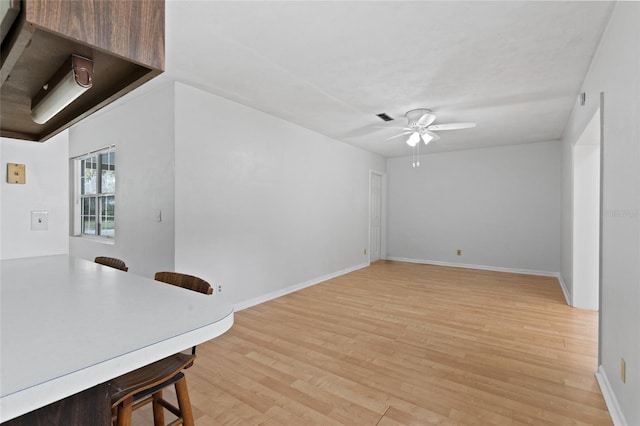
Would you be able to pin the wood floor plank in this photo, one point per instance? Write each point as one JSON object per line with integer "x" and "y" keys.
{"x": 403, "y": 344}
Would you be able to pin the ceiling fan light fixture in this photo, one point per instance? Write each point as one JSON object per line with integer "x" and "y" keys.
{"x": 426, "y": 138}
{"x": 414, "y": 139}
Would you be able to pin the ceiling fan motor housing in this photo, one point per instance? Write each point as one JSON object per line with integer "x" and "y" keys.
{"x": 420, "y": 118}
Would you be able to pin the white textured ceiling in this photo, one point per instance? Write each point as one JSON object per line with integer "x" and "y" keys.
{"x": 515, "y": 68}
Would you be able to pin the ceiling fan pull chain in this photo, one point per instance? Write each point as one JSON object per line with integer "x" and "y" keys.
{"x": 418, "y": 154}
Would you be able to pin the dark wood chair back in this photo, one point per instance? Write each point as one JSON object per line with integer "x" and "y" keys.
{"x": 112, "y": 262}
{"x": 185, "y": 281}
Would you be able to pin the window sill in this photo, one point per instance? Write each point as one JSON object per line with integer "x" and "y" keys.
{"x": 98, "y": 240}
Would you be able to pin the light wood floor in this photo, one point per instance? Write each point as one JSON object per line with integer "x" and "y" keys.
{"x": 405, "y": 344}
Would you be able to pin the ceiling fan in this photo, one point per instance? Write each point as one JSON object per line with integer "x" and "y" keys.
{"x": 420, "y": 127}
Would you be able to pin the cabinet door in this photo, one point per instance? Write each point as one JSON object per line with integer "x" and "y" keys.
{"x": 89, "y": 407}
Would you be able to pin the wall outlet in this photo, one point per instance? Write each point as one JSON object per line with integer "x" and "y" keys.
{"x": 219, "y": 288}
{"x": 39, "y": 220}
{"x": 623, "y": 370}
{"x": 459, "y": 252}
{"x": 365, "y": 252}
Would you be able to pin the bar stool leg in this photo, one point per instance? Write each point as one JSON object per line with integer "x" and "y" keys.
{"x": 158, "y": 411}
{"x": 184, "y": 403}
{"x": 124, "y": 412}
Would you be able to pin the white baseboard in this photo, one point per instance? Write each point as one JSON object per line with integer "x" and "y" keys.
{"x": 481, "y": 267}
{"x": 492, "y": 268}
{"x": 278, "y": 293}
{"x": 610, "y": 398}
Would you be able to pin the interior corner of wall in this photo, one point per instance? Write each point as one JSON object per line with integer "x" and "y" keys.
{"x": 565, "y": 289}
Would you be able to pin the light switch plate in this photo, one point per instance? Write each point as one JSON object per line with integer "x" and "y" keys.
{"x": 16, "y": 173}
{"x": 39, "y": 220}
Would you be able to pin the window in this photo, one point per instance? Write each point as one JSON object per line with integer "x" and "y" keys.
{"x": 96, "y": 194}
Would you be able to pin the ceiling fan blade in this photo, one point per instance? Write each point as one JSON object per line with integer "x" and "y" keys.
{"x": 398, "y": 135}
{"x": 426, "y": 119}
{"x": 451, "y": 126}
{"x": 389, "y": 127}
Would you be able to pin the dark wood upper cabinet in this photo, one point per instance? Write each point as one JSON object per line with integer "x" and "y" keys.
{"x": 123, "y": 38}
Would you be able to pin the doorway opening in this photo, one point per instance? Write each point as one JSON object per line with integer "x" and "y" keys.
{"x": 376, "y": 213}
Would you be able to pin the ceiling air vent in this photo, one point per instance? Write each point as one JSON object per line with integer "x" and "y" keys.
{"x": 384, "y": 117}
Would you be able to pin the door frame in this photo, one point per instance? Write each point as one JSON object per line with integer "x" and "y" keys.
{"x": 383, "y": 214}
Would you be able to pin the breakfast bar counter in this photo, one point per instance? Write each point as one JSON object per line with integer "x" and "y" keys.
{"x": 68, "y": 325}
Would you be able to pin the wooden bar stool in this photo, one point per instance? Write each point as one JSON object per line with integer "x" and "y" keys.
{"x": 144, "y": 385}
{"x": 112, "y": 262}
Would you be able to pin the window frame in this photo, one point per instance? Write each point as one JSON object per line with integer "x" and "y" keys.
{"x": 98, "y": 198}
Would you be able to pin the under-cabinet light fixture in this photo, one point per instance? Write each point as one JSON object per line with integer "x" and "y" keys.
{"x": 73, "y": 79}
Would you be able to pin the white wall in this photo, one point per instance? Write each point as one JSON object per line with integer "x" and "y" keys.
{"x": 586, "y": 217}
{"x": 45, "y": 189}
{"x": 500, "y": 206}
{"x": 263, "y": 205}
{"x": 615, "y": 71}
{"x": 142, "y": 129}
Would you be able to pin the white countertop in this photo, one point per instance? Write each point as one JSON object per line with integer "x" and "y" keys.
{"x": 68, "y": 324}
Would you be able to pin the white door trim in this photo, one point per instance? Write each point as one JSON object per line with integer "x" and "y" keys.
{"x": 383, "y": 216}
